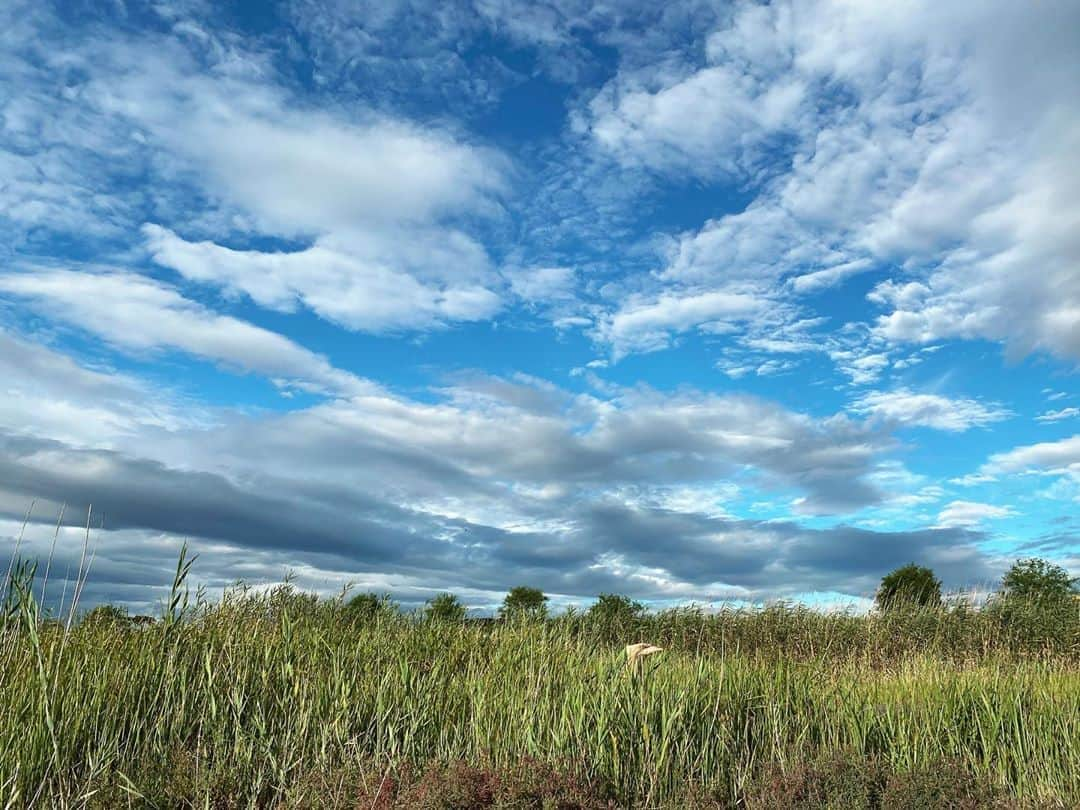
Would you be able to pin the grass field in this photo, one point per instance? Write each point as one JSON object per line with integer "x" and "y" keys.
{"x": 277, "y": 699}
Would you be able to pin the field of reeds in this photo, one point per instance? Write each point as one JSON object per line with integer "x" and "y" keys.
{"x": 280, "y": 699}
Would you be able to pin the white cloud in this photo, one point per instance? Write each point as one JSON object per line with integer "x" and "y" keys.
{"x": 862, "y": 364}
{"x": 294, "y": 170}
{"x": 378, "y": 197}
{"x": 1057, "y": 416}
{"x": 1061, "y": 456}
{"x": 382, "y": 199}
{"x": 138, "y": 314}
{"x": 375, "y": 283}
{"x": 381, "y": 208}
{"x": 905, "y": 407}
{"x": 712, "y": 119}
{"x": 973, "y": 480}
{"x": 647, "y": 324}
{"x": 736, "y": 369}
{"x": 1060, "y": 460}
{"x": 46, "y": 393}
{"x": 970, "y": 513}
{"x": 542, "y": 284}
{"x": 830, "y": 276}
{"x": 934, "y": 139}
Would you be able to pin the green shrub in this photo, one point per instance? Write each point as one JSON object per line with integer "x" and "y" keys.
{"x": 1039, "y": 581}
{"x": 524, "y": 603}
{"x": 111, "y": 615}
{"x": 615, "y": 616}
{"x": 445, "y": 607}
{"x": 370, "y": 606}
{"x": 907, "y": 587}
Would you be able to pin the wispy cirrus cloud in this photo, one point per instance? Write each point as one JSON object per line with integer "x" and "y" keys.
{"x": 908, "y": 408}
{"x": 1058, "y": 415}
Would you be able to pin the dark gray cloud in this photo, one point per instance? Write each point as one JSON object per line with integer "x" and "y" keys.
{"x": 487, "y": 483}
{"x": 257, "y": 528}
{"x": 490, "y": 482}
{"x": 138, "y": 493}
{"x": 633, "y": 437}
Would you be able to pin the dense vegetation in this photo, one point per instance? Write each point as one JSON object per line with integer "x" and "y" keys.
{"x": 282, "y": 699}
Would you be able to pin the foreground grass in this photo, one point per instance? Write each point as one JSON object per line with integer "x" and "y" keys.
{"x": 279, "y": 700}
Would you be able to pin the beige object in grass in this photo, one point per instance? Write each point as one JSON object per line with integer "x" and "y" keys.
{"x": 636, "y": 652}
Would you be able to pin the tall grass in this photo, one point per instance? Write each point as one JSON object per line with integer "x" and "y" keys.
{"x": 260, "y": 699}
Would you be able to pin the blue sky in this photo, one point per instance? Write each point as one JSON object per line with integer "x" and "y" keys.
{"x": 691, "y": 301}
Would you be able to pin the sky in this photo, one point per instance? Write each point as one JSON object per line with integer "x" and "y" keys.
{"x": 691, "y": 301}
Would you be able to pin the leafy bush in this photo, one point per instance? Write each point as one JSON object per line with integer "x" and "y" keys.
{"x": 909, "y": 586}
{"x": 106, "y": 615}
{"x": 370, "y": 606}
{"x": 615, "y": 612}
{"x": 445, "y": 607}
{"x": 524, "y": 602}
{"x": 1037, "y": 580}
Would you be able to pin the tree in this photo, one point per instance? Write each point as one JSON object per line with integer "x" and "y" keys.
{"x": 613, "y": 609}
{"x": 909, "y": 586}
{"x": 1038, "y": 581}
{"x": 445, "y": 607}
{"x": 366, "y": 607}
{"x": 524, "y": 602}
{"x": 106, "y": 616}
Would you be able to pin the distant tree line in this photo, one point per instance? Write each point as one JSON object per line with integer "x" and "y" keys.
{"x": 1032, "y": 582}
{"x": 1030, "y": 585}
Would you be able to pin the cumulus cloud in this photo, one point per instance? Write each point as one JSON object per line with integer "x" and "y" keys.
{"x": 908, "y": 143}
{"x": 712, "y": 119}
{"x": 905, "y": 407}
{"x": 377, "y": 210}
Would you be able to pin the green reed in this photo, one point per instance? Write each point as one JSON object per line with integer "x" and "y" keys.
{"x": 248, "y": 697}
